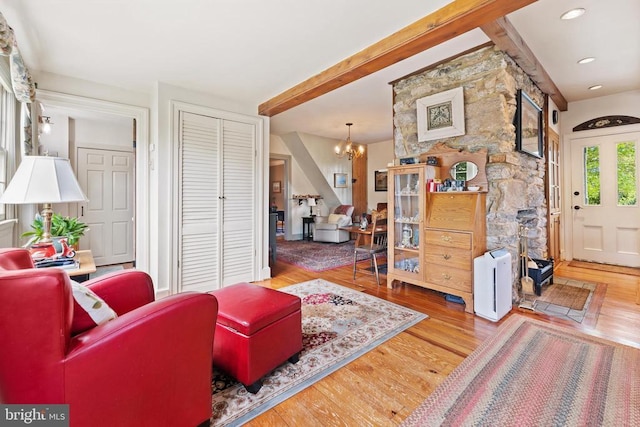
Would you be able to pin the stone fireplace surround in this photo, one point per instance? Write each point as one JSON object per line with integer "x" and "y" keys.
{"x": 516, "y": 192}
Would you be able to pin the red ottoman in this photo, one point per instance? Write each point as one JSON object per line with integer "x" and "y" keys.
{"x": 257, "y": 330}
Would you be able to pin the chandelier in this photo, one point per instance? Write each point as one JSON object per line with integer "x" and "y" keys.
{"x": 346, "y": 148}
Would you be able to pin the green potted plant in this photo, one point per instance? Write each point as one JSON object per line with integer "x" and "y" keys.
{"x": 61, "y": 226}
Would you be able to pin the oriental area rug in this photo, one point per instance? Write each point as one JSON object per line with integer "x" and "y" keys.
{"x": 538, "y": 374}
{"x": 338, "y": 325}
{"x": 314, "y": 256}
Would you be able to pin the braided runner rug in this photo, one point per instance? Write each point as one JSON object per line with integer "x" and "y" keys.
{"x": 339, "y": 324}
{"x": 536, "y": 374}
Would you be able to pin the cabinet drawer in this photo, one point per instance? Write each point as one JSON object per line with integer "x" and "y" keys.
{"x": 450, "y": 277}
{"x": 447, "y": 238}
{"x": 448, "y": 257}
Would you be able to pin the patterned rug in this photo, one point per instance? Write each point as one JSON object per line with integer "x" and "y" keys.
{"x": 338, "y": 325}
{"x": 536, "y": 374}
{"x": 314, "y": 256}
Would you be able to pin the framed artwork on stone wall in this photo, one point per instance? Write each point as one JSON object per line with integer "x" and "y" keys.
{"x": 441, "y": 115}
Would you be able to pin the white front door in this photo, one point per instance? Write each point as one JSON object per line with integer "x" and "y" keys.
{"x": 604, "y": 203}
{"x": 106, "y": 177}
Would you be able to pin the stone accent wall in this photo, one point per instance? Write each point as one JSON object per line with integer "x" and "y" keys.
{"x": 516, "y": 181}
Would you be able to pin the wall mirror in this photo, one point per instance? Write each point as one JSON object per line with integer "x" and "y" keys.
{"x": 528, "y": 123}
{"x": 464, "y": 171}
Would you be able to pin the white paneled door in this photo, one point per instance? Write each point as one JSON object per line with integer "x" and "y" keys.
{"x": 604, "y": 204}
{"x": 107, "y": 178}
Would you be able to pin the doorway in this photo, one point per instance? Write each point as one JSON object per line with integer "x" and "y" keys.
{"x": 279, "y": 185}
{"x": 81, "y": 105}
{"x": 604, "y": 198}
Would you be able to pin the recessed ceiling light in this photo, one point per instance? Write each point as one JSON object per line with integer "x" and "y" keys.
{"x": 596, "y": 87}
{"x": 573, "y": 13}
{"x": 586, "y": 60}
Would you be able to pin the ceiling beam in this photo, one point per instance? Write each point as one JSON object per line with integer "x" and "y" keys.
{"x": 507, "y": 38}
{"x": 454, "y": 19}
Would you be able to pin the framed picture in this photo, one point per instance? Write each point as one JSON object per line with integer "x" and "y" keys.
{"x": 380, "y": 180}
{"x": 441, "y": 115}
{"x": 340, "y": 180}
{"x": 277, "y": 187}
{"x": 528, "y": 123}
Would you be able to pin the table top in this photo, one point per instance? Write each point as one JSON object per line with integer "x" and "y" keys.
{"x": 357, "y": 229}
{"x": 87, "y": 264}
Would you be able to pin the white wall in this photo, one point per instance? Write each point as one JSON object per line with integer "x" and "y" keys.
{"x": 73, "y": 86}
{"x": 626, "y": 103}
{"x": 299, "y": 184}
{"x": 379, "y": 155}
{"x": 322, "y": 151}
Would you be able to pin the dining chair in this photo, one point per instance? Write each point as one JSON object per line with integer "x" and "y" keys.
{"x": 372, "y": 245}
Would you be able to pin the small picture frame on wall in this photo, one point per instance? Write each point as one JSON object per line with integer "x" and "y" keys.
{"x": 380, "y": 180}
{"x": 276, "y": 187}
{"x": 441, "y": 115}
{"x": 340, "y": 180}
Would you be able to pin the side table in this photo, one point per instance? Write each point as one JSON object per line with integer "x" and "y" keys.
{"x": 307, "y": 231}
{"x": 87, "y": 266}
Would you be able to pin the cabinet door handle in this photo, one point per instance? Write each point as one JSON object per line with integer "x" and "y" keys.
{"x": 445, "y": 238}
{"x": 446, "y": 256}
{"x": 445, "y": 276}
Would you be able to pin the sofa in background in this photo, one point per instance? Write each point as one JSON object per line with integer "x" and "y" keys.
{"x": 327, "y": 228}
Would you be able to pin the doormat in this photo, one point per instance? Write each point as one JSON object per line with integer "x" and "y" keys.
{"x": 573, "y": 297}
{"x": 339, "y": 324}
{"x": 633, "y": 271}
{"x": 573, "y": 300}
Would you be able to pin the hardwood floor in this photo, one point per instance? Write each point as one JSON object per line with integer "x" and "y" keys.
{"x": 385, "y": 385}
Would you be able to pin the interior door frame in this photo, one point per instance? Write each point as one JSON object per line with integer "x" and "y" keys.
{"x": 142, "y": 228}
{"x": 288, "y": 235}
{"x": 565, "y": 148}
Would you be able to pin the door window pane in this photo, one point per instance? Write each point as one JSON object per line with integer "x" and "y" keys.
{"x": 627, "y": 182}
{"x": 592, "y": 175}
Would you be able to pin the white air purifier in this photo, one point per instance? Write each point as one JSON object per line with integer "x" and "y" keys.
{"x": 492, "y": 284}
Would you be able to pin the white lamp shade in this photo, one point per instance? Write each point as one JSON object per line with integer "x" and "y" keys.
{"x": 42, "y": 179}
{"x": 311, "y": 201}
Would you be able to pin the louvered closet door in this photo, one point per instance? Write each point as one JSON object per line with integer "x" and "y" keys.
{"x": 199, "y": 254}
{"x": 239, "y": 205}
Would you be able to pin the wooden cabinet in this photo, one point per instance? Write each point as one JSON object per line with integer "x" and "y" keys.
{"x": 455, "y": 233}
{"x": 434, "y": 236}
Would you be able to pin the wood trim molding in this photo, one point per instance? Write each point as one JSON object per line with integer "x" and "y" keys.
{"x": 454, "y": 19}
{"x": 507, "y": 38}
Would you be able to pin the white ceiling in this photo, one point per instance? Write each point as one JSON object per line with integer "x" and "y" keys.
{"x": 252, "y": 50}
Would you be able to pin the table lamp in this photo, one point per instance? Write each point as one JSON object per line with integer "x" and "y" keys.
{"x": 311, "y": 202}
{"x": 46, "y": 180}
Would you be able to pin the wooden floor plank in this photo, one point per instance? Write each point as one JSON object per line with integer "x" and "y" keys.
{"x": 386, "y": 384}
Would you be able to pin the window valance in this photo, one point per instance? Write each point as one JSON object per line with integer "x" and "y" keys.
{"x": 23, "y": 87}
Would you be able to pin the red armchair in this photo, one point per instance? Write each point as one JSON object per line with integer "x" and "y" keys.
{"x": 150, "y": 366}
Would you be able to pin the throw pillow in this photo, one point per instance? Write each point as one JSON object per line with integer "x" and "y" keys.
{"x": 342, "y": 209}
{"x": 334, "y": 218}
{"x": 89, "y": 309}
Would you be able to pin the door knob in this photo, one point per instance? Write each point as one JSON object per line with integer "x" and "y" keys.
{"x": 576, "y": 193}
{"x": 576, "y": 207}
